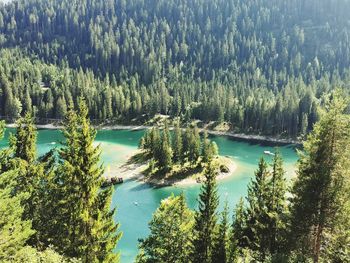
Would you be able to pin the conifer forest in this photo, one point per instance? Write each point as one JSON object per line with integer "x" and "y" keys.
{"x": 139, "y": 96}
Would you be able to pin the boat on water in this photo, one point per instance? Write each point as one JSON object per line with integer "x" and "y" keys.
{"x": 112, "y": 181}
{"x": 269, "y": 153}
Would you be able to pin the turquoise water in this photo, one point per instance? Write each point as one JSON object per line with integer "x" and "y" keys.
{"x": 117, "y": 146}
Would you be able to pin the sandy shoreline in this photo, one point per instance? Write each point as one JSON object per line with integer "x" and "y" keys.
{"x": 134, "y": 171}
{"x": 241, "y": 136}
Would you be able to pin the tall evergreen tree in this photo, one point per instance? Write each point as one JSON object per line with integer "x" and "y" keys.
{"x": 206, "y": 218}
{"x": 166, "y": 153}
{"x": 177, "y": 143}
{"x": 89, "y": 231}
{"x": 206, "y": 153}
{"x": 277, "y": 205}
{"x": 24, "y": 142}
{"x": 194, "y": 147}
{"x": 257, "y": 212}
{"x": 238, "y": 238}
{"x": 221, "y": 249}
{"x": 323, "y": 173}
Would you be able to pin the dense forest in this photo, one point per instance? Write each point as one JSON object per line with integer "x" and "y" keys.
{"x": 261, "y": 66}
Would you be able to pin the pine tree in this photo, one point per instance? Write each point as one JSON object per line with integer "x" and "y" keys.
{"x": 221, "y": 251}
{"x": 206, "y": 154}
{"x": 166, "y": 154}
{"x": 257, "y": 211}
{"x": 194, "y": 150}
{"x": 186, "y": 143}
{"x": 238, "y": 238}
{"x": 156, "y": 143}
{"x": 323, "y": 172}
{"x": 30, "y": 172}
{"x": 206, "y": 218}
{"x": 177, "y": 143}
{"x": 277, "y": 206}
{"x": 24, "y": 142}
{"x": 171, "y": 233}
{"x": 85, "y": 222}
{"x": 165, "y": 151}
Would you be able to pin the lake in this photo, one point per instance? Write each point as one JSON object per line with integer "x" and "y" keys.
{"x": 118, "y": 146}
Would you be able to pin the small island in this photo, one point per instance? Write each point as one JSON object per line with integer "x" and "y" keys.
{"x": 177, "y": 157}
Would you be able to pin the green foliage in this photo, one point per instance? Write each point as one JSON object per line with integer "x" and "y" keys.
{"x": 83, "y": 220}
{"x": 31, "y": 255}
{"x": 180, "y": 147}
{"x": 221, "y": 250}
{"x": 206, "y": 218}
{"x": 165, "y": 153}
{"x": 24, "y": 142}
{"x": 262, "y": 226}
{"x": 238, "y": 238}
{"x": 2, "y": 129}
{"x": 178, "y": 143}
{"x": 323, "y": 179}
{"x": 171, "y": 233}
{"x": 257, "y": 211}
{"x": 14, "y": 232}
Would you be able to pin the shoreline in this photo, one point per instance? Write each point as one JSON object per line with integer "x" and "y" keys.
{"x": 134, "y": 171}
{"x": 239, "y": 136}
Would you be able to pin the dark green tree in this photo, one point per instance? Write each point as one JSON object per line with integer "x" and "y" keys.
{"x": 177, "y": 143}
{"x": 277, "y": 206}
{"x": 206, "y": 218}
{"x": 165, "y": 153}
{"x": 257, "y": 212}
{"x": 221, "y": 249}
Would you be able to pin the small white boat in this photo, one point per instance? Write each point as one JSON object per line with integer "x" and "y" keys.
{"x": 269, "y": 153}
{"x": 136, "y": 203}
{"x": 52, "y": 143}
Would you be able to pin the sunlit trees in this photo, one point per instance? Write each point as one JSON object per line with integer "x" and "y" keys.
{"x": 171, "y": 233}
{"x": 323, "y": 179}
{"x": 178, "y": 147}
{"x": 206, "y": 218}
{"x": 84, "y": 219}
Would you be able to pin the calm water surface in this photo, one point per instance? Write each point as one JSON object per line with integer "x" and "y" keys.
{"x": 118, "y": 146}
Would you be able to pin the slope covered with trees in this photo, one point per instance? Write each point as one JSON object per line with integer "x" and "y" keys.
{"x": 262, "y": 66}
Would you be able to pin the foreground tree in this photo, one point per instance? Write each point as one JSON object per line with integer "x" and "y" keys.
{"x": 16, "y": 215}
{"x": 221, "y": 251}
{"x": 171, "y": 233}
{"x": 323, "y": 179}
{"x": 84, "y": 221}
{"x": 257, "y": 212}
{"x": 206, "y": 218}
{"x": 14, "y": 232}
{"x": 277, "y": 206}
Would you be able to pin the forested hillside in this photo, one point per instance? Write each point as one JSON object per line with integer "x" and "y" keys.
{"x": 263, "y": 66}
